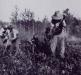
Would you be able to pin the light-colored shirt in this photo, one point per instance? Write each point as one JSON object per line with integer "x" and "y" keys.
{"x": 1, "y": 31}
{"x": 14, "y": 32}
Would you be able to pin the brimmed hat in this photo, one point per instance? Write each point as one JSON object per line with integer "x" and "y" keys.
{"x": 5, "y": 26}
{"x": 10, "y": 26}
{"x": 57, "y": 15}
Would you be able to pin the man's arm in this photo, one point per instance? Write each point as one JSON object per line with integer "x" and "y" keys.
{"x": 16, "y": 34}
{"x": 64, "y": 23}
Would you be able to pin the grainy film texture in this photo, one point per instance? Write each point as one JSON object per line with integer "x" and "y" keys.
{"x": 40, "y": 37}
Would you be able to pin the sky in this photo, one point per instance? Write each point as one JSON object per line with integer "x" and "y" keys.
{"x": 41, "y": 8}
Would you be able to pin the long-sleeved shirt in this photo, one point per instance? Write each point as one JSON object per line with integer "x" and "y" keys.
{"x": 13, "y": 34}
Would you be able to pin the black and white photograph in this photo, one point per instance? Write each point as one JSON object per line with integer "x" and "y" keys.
{"x": 40, "y": 37}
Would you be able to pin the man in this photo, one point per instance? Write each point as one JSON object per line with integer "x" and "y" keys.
{"x": 41, "y": 42}
{"x": 4, "y": 34}
{"x": 4, "y": 38}
{"x": 14, "y": 38}
{"x": 58, "y": 31}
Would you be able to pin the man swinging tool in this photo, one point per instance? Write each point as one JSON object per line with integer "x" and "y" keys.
{"x": 13, "y": 38}
{"x": 4, "y": 38}
{"x": 58, "y": 32}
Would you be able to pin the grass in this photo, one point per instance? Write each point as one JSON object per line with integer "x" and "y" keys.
{"x": 28, "y": 63}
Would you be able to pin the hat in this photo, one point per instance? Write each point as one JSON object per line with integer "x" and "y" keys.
{"x": 57, "y": 15}
{"x": 5, "y": 26}
{"x": 10, "y": 26}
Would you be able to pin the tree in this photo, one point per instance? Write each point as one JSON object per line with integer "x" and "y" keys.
{"x": 27, "y": 15}
{"x": 46, "y": 23}
{"x": 14, "y": 16}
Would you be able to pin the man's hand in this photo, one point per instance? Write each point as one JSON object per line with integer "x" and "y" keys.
{"x": 13, "y": 40}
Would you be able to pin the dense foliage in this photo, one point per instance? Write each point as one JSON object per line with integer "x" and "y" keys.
{"x": 29, "y": 63}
